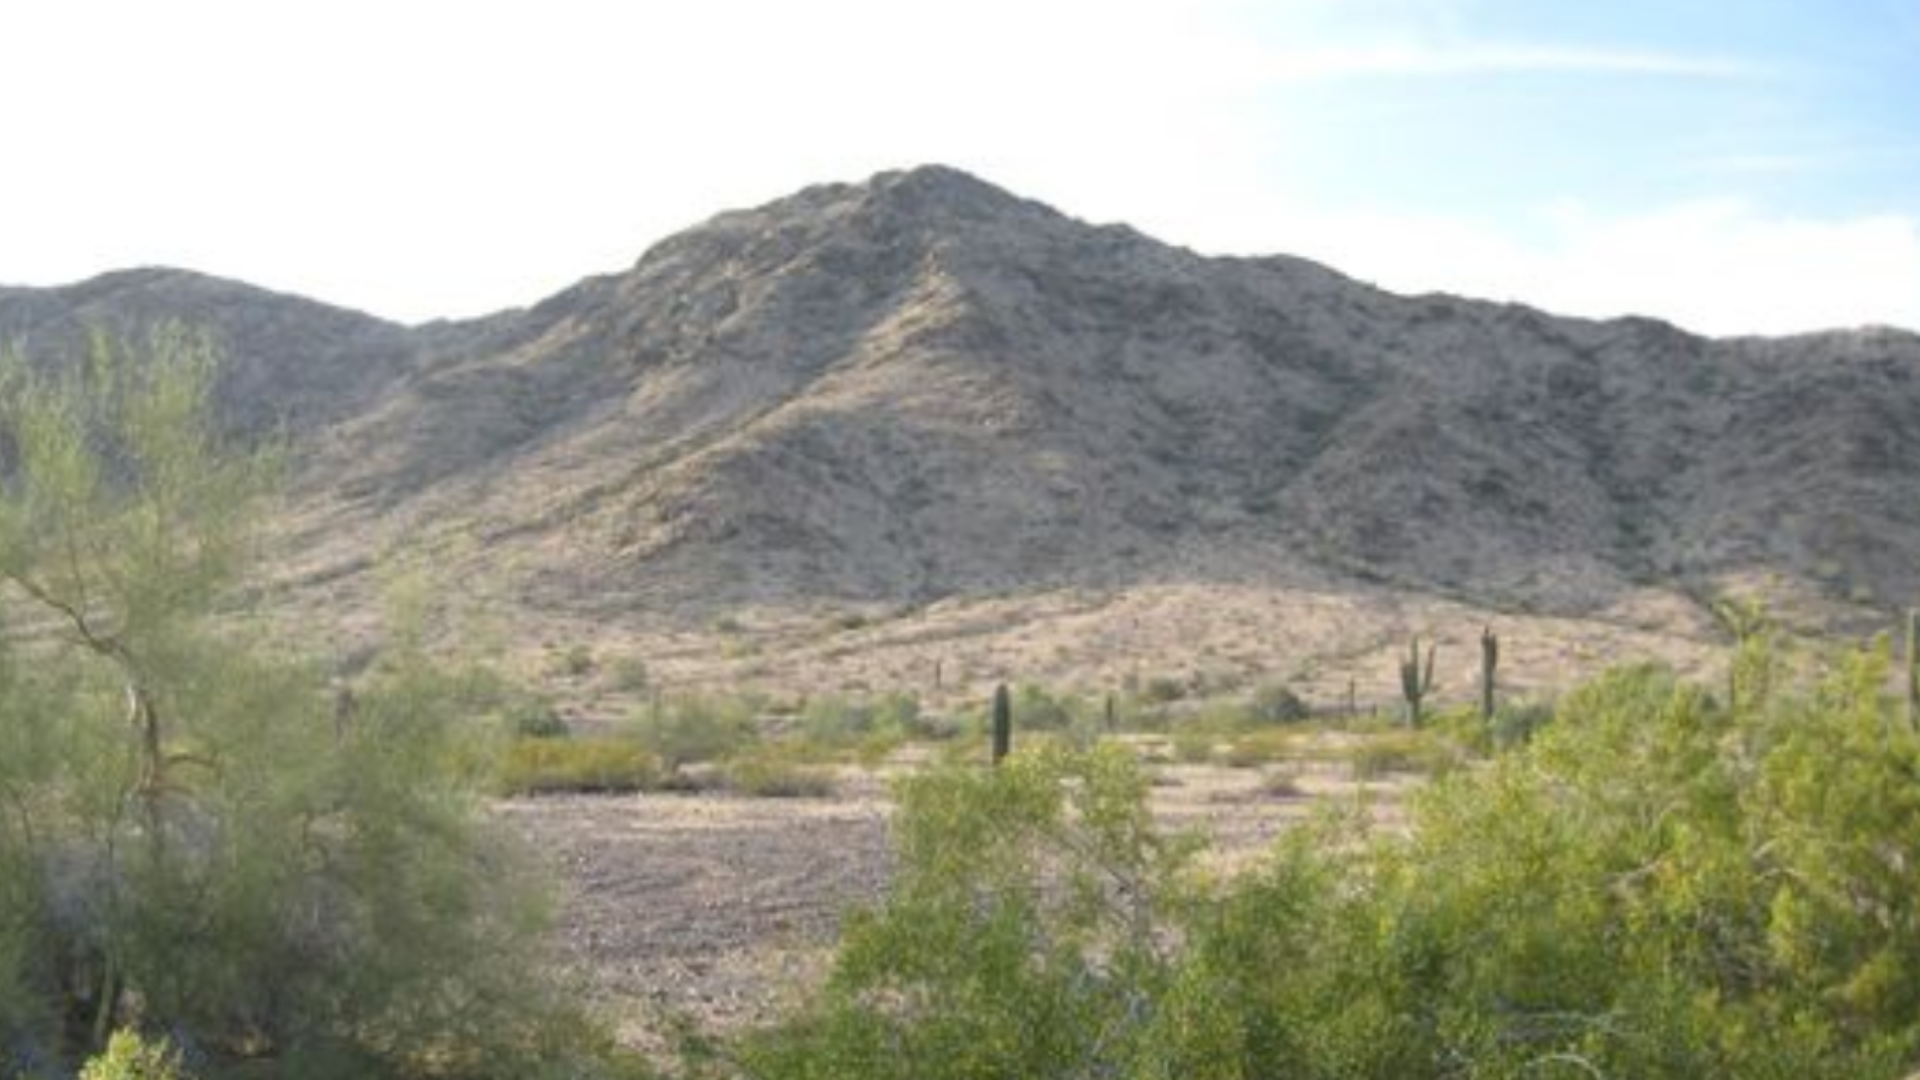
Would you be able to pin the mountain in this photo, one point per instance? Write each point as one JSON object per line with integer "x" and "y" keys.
{"x": 922, "y": 396}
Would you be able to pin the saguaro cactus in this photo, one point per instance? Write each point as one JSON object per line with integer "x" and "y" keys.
{"x": 1002, "y": 722}
{"x": 1489, "y": 660}
{"x": 1913, "y": 668}
{"x": 1415, "y": 682}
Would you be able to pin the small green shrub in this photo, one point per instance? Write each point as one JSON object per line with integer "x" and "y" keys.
{"x": 130, "y": 1057}
{"x": 1516, "y": 724}
{"x": 1018, "y": 938}
{"x": 1161, "y": 689}
{"x": 1276, "y": 703}
{"x": 537, "y": 766}
{"x": 576, "y": 661}
{"x": 767, "y": 773}
{"x": 1661, "y": 885}
{"x": 537, "y": 719}
{"x": 1255, "y": 748}
{"x": 1401, "y": 751}
{"x": 1035, "y": 709}
{"x": 629, "y": 674}
{"x": 1193, "y": 746}
{"x": 688, "y": 729}
{"x": 1282, "y": 784}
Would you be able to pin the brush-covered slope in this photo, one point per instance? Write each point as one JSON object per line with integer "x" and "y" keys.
{"x": 922, "y": 386}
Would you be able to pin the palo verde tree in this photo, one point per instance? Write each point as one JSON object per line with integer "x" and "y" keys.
{"x": 188, "y": 841}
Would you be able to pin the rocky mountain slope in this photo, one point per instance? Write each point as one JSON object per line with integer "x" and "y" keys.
{"x": 921, "y": 391}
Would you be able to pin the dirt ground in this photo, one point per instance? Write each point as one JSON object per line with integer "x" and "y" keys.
{"x": 720, "y": 909}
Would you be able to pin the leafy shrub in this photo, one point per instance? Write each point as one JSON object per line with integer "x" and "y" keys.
{"x": 1256, "y": 748}
{"x": 1400, "y": 751}
{"x": 629, "y": 674}
{"x": 194, "y": 836}
{"x": 688, "y": 729}
{"x": 1194, "y": 745}
{"x": 1017, "y": 939}
{"x": 831, "y": 720}
{"x": 1036, "y": 709}
{"x": 1282, "y": 784}
{"x": 1658, "y": 886}
{"x": 767, "y": 773}
{"x": 1161, "y": 689}
{"x": 576, "y": 662}
{"x": 1516, "y": 724}
{"x": 1276, "y": 703}
{"x": 487, "y": 696}
{"x": 541, "y": 765}
{"x": 536, "y": 718}
{"x": 129, "y": 1057}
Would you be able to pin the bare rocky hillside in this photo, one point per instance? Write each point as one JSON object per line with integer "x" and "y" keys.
{"x": 920, "y": 418}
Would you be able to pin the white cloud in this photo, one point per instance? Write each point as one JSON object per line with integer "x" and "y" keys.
{"x": 1716, "y": 266}
{"x": 1410, "y": 59}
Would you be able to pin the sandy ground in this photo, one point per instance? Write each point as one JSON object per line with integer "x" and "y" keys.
{"x": 720, "y": 909}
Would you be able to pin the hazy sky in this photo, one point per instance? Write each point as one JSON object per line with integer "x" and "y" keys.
{"x": 1733, "y": 165}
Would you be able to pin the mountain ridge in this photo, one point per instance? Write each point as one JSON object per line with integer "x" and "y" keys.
{"x": 923, "y": 388}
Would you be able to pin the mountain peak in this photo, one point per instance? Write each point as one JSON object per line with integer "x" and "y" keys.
{"x": 942, "y": 190}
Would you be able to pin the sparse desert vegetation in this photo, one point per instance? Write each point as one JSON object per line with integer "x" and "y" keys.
{"x": 772, "y": 716}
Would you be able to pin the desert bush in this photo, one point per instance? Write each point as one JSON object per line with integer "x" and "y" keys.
{"x": 540, "y": 765}
{"x": 1194, "y": 745}
{"x": 690, "y": 728}
{"x": 1662, "y": 885}
{"x": 1037, "y": 709}
{"x": 1652, "y": 889}
{"x": 1282, "y": 784}
{"x": 1017, "y": 939}
{"x": 766, "y": 772}
{"x": 872, "y": 725}
{"x": 1161, "y": 689}
{"x": 1428, "y": 752}
{"x": 1516, "y": 723}
{"x": 1277, "y": 703}
{"x": 629, "y": 674}
{"x": 130, "y": 1057}
{"x": 1255, "y": 748}
{"x": 575, "y": 661}
{"x": 191, "y": 835}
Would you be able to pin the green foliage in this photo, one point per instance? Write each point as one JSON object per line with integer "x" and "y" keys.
{"x": 629, "y": 674}
{"x": 689, "y": 729}
{"x": 773, "y": 773}
{"x": 1277, "y": 703}
{"x": 1516, "y": 723}
{"x": 842, "y": 722}
{"x": 129, "y": 1057}
{"x": 501, "y": 705}
{"x": 576, "y": 661}
{"x": 1018, "y": 939}
{"x": 190, "y": 833}
{"x": 1036, "y": 709}
{"x": 1161, "y": 689}
{"x": 1194, "y": 744}
{"x": 1261, "y": 747}
{"x": 541, "y": 765}
{"x": 1659, "y": 885}
{"x": 1374, "y": 756}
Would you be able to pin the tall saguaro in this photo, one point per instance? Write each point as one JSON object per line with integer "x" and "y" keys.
{"x": 1002, "y": 722}
{"x": 1415, "y": 682}
{"x": 1489, "y": 660}
{"x": 1913, "y": 669}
